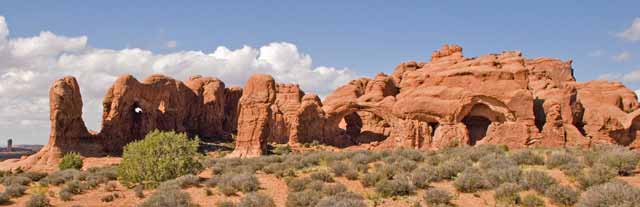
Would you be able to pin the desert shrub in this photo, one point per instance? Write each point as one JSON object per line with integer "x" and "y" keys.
{"x": 108, "y": 173}
{"x": 16, "y": 180}
{"x": 562, "y": 195}
{"x": 158, "y": 157}
{"x": 281, "y": 149}
{"x": 186, "y": 181}
{"x": 4, "y": 198}
{"x": 225, "y": 204}
{"x": 526, "y": 157}
{"x": 107, "y": 198}
{"x": 364, "y": 157}
{"x": 370, "y": 179}
{"x": 15, "y": 190}
{"x": 339, "y": 168}
{"x": 230, "y": 184}
{"x": 256, "y": 200}
{"x": 537, "y": 180}
{"x": 110, "y": 186}
{"x": 507, "y": 193}
{"x": 73, "y": 186}
{"x": 65, "y": 195}
{"x": 351, "y": 174}
{"x": 559, "y": 158}
{"x": 34, "y": 176}
{"x": 573, "y": 170}
{"x": 423, "y": 176}
{"x": 305, "y": 198}
{"x": 298, "y": 184}
{"x": 71, "y": 160}
{"x": 435, "y": 196}
{"x": 322, "y": 175}
{"x": 469, "y": 181}
{"x": 395, "y": 187}
{"x": 496, "y": 161}
{"x": 497, "y": 176}
{"x": 63, "y": 176}
{"x": 615, "y": 193}
{"x": 344, "y": 199}
{"x": 598, "y": 174}
{"x": 38, "y": 200}
{"x": 168, "y": 195}
{"x": 139, "y": 191}
{"x": 622, "y": 160}
{"x": 450, "y": 168}
{"x": 410, "y": 154}
{"x": 333, "y": 189}
{"x": 405, "y": 165}
{"x": 532, "y": 200}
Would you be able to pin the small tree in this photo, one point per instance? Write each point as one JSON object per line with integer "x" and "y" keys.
{"x": 71, "y": 160}
{"x": 160, "y": 156}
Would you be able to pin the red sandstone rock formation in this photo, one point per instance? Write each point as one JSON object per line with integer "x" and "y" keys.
{"x": 451, "y": 100}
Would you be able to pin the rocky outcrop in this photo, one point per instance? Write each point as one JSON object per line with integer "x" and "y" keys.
{"x": 500, "y": 98}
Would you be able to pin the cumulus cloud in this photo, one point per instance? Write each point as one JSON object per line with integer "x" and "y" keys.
{"x": 621, "y": 57}
{"x": 28, "y": 65}
{"x": 596, "y": 53}
{"x": 633, "y": 32}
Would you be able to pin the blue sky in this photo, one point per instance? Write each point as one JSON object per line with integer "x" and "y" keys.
{"x": 359, "y": 38}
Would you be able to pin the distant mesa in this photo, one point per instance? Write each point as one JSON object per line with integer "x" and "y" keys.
{"x": 451, "y": 100}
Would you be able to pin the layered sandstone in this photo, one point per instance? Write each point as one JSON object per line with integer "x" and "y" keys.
{"x": 500, "y": 98}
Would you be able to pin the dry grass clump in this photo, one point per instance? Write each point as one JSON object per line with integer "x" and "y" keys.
{"x": 532, "y": 200}
{"x": 38, "y": 200}
{"x": 562, "y": 195}
{"x": 598, "y": 174}
{"x": 256, "y": 200}
{"x": 470, "y": 180}
{"x": 168, "y": 194}
{"x": 343, "y": 199}
{"x": 230, "y": 184}
{"x": 507, "y": 193}
{"x": 616, "y": 193}
{"x": 559, "y": 158}
{"x": 435, "y": 197}
{"x": 396, "y": 187}
{"x": 526, "y": 157}
{"x": 537, "y": 180}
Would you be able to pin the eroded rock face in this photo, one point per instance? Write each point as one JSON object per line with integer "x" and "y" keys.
{"x": 451, "y": 100}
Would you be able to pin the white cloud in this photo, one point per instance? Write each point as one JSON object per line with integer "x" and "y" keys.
{"x": 596, "y": 53}
{"x": 633, "y": 32}
{"x": 610, "y": 76}
{"x": 28, "y": 65}
{"x": 621, "y": 57}
{"x": 172, "y": 44}
{"x": 632, "y": 76}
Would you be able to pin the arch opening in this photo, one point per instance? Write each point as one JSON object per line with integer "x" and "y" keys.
{"x": 478, "y": 120}
{"x": 365, "y": 127}
{"x": 539, "y": 114}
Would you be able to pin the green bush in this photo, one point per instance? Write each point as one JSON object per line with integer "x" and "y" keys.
{"x": 344, "y": 199}
{"x": 396, "y": 187}
{"x": 532, "y": 200}
{"x": 38, "y": 200}
{"x": 615, "y": 193}
{"x": 71, "y": 160}
{"x": 469, "y": 181}
{"x": 507, "y": 193}
{"x": 307, "y": 198}
{"x": 537, "y": 180}
{"x": 562, "y": 195}
{"x": 168, "y": 195}
{"x": 256, "y": 200}
{"x": 435, "y": 196}
{"x": 598, "y": 174}
{"x": 160, "y": 156}
{"x": 527, "y": 157}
